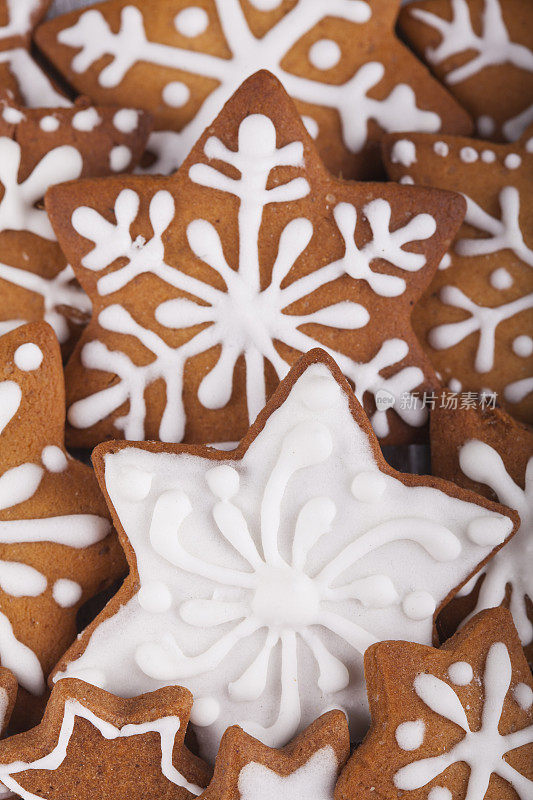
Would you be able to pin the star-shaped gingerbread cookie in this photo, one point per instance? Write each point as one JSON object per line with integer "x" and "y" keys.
{"x": 206, "y": 286}
{"x": 18, "y": 71}
{"x": 57, "y": 546}
{"x": 259, "y": 577}
{"x": 476, "y": 318}
{"x": 340, "y": 60}
{"x": 487, "y": 451}
{"x": 306, "y": 768}
{"x": 92, "y": 744}
{"x": 482, "y": 51}
{"x": 450, "y": 723}
{"x": 39, "y": 148}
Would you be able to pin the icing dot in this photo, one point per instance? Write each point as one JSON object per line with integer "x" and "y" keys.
{"x": 440, "y": 793}
{"x": 512, "y": 161}
{"x": 368, "y": 486}
{"x": 223, "y": 481}
{"x": 126, "y": 120}
{"x": 119, "y": 158}
{"x": 155, "y": 597}
{"x": 28, "y": 357}
{"x": 485, "y": 125}
{"x": 319, "y": 393}
{"x": 311, "y": 126}
{"x": 406, "y": 180}
{"x": 489, "y": 531}
{"x": 66, "y": 593}
{"x": 454, "y": 385}
{"x": 523, "y": 346}
{"x": 446, "y": 261}
{"x": 460, "y": 673}
{"x": 410, "y": 735}
{"x": 12, "y": 115}
{"x": 134, "y": 483}
{"x": 468, "y": 155}
{"x": 49, "y": 124}
{"x": 529, "y": 145}
{"x": 86, "y": 120}
{"x": 191, "y": 21}
{"x": 403, "y": 152}
{"x": 488, "y": 156}
{"x": 441, "y": 149}
{"x": 53, "y": 458}
{"x": 204, "y": 711}
{"x": 501, "y": 279}
{"x": 523, "y": 694}
{"x": 176, "y": 94}
{"x": 419, "y": 605}
{"x": 325, "y": 54}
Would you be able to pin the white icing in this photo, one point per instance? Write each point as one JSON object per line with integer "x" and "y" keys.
{"x": 439, "y": 793}
{"x": 441, "y": 149}
{"x": 523, "y": 346}
{"x": 12, "y": 115}
{"x": 486, "y": 126}
{"x": 35, "y": 87}
{"x": 66, "y": 593}
{"x": 512, "y": 161}
{"x": 205, "y": 711}
{"x": 92, "y": 38}
{"x": 403, "y": 152}
{"x": 120, "y": 158}
{"x": 523, "y": 694}
{"x": 488, "y": 156}
{"x": 482, "y": 319}
{"x": 315, "y": 779}
{"x": 28, "y": 357}
{"x": 511, "y": 566}
{"x": 419, "y": 605}
{"x": 492, "y": 46}
{"x": 325, "y": 54}
{"x": 311, "y": 126}
{"x": 460, "y": 673}
{"x": 86, "y": 120}
{"x": 501, "y": 278}
{"x": 55, "y": 292}
{"x": 446, "y": 261}
{"x": 166, "y": 728}
{"x": 176, "y": 94}
{"x": 18, "y": 211}
{"x": 155, "y": 597}
{"x": 455, "y": 385}
{"x": 126, "y": 120}
{"x": 54, "y": 459}
{"x": 468, "y": 155}
{"x": 482, "y": 750}
{"x": 280, "y": 577}
{"x": 10, "y": 397}
{"x": 407, "y": 180}
{"x": 192, "y": 21}
{"x": 49, "y": 124}
{"x": 245, "y": 319}
{"x": 410, "y": 735}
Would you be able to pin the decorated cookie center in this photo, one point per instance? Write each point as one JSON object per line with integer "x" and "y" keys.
{"x": 285, "y": 597}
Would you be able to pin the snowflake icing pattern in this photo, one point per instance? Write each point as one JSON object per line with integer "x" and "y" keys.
{"x": 92, "y": 36}
{"x": 482, "y": 750}
{"x": 243, "y": 319}
{"x": 482, "y": 463}
{"x": 277, "y": 586}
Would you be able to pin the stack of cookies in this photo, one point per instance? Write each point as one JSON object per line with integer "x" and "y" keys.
{"x": 262, "y": 261}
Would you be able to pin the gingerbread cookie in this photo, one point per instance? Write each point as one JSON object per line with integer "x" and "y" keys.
{"x": 92, "y": 744}
{"x": 306, "y": 769}
{"x": 482, "y": 51}
{"x": 39, "y": 148}
{"x": 489, "y": 452}
{"x": 476, "y": 318}
{"x": 18, "y": 71}
{"x": 208, "y": 285}
{"x": 57, "y": 544}
{"x": 259, "y": 577}
{"x": 340, "y": 61}
{"x": 450, "y": 723}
